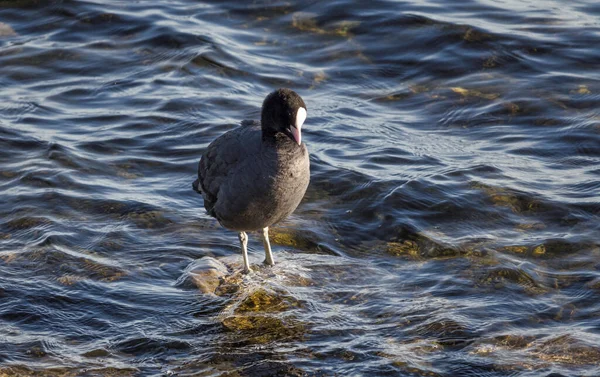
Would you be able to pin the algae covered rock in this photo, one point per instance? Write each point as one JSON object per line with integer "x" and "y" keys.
{"x": 205, "y": 274}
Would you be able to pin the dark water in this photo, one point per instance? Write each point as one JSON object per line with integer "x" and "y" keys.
{"x": 451, "y": 228}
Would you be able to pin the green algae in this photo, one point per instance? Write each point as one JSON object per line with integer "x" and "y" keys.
{"x": 513, "y": 342}
{"x": 27, "y": 222}
{"x": 551, "y": 248}
{"x": 422, "y": 247}
{"x": 516, "y": 201}
{"x": 20, "y": 371}
{"x": 500, "y": 277}
{"x": 291, "y": 238}
{"x": 263, "y": 329}
{"x": 103, "y": 272}
{"x": 261, "y": 318}
{"x": 581, "y": 89}
{"x": 474, "y": 93}
{"x": 474, "y": 35}
{"x": 566, "y": 349}
{"x": 263, "y": 301}
{"x": 306, "y": 22}
{"x": 149, "y": 219}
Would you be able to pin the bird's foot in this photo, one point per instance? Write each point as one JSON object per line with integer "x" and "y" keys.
{"x": 269, "y": 263}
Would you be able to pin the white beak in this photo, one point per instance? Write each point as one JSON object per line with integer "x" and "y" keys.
{"x": 297, "y": 128}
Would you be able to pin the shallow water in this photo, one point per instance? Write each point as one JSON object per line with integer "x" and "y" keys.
{"x": 451, "y": 226}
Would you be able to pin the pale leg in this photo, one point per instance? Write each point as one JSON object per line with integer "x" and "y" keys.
{"x": 244, "y": 242}
{"x": 268, "y": 255}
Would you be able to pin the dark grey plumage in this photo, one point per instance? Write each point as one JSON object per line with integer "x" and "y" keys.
{"x": 256, "y": 175}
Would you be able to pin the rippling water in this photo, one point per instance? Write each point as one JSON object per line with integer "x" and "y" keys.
{"x": 452, "y": 224}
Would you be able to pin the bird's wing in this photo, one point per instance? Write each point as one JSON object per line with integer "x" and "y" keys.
{"x": 220, "y": 159}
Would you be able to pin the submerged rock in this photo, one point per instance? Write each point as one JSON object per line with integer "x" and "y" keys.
{"x": 21, "y": 370}
{"x": 262, "y": 329}
{"x": 446, "y": 332}
{"x": 6, "y": 30}
{"x": 262, "y": 300}
{"x": 422, "y": 246}
{"x": 205, "y": 274}
{"x": 567, "y": 349}
{"x": 260, "y": 308}
{"x": 149, "y": 219}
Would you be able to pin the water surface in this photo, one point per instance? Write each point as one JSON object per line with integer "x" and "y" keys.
{"x": 451, "y": 226}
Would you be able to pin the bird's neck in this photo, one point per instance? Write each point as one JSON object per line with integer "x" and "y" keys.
{"x": 269, "y": 134}
{"x": 272, "y": 135}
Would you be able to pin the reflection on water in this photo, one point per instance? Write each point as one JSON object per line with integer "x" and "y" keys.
{"x": 450, "y": 228}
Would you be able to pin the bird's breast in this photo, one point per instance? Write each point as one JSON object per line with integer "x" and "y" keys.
{"x": 268, "y": 196}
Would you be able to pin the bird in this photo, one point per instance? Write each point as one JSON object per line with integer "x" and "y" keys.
{"x": 256, "y": 174}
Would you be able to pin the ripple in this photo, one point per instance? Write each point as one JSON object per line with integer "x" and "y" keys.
{"x": 450, "y": 226}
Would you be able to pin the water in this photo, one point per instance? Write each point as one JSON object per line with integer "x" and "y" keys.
{"x": 451, "y": 226}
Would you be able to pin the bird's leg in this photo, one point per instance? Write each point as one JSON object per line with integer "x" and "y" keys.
{"x": 244, "y": 242}
{"x": 268, "y": 254}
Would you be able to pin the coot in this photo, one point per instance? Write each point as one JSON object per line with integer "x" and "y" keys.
{"x": 256, "y": 175}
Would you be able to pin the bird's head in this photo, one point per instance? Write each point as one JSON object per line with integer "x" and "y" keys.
{"x": 284, "y": 111}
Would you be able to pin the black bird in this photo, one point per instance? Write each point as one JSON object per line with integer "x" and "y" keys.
{"x": 256, "y": 175}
